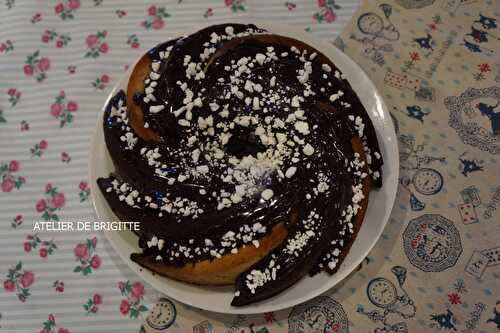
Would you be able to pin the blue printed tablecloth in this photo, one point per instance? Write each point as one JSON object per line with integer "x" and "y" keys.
{"x": 437, "y": 264}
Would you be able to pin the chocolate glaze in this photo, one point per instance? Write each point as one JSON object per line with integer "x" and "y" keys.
{"x": 331, "y": 134}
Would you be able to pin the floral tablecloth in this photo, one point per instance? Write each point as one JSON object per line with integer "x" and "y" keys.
{"x": 436, "y": 266}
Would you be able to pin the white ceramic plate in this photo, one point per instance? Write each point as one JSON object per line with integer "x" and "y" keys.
{"x": 218, "y": 299}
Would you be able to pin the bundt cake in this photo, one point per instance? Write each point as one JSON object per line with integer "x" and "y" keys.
{"x": 246, "y": 156}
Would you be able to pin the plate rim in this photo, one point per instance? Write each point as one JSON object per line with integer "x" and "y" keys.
{"x": 260, "y": 307}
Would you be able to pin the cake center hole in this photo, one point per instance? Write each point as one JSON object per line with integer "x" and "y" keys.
{"x": 244, "y": 142}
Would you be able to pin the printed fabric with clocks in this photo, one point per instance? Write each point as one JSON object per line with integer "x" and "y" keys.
{"x": 436, "y": 265}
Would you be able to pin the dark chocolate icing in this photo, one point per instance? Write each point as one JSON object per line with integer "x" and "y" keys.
{"x": 319, "y": 191}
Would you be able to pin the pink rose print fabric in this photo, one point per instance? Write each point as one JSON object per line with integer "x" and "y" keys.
{"x": 19, "y": 281}
{"x": 59, "y": 40}
{"x": 208, "y": 13}
{"x": 86, "y": 257}
{"x": 36, "y": 66}
{"x": 39, "y": 148}
{"x": 120, "y": 13}
{"x": 59, "y": 60}
{"x": 58, "y": 286}
{"x": 33, "y": 242}
{"x": 326, "y": 11}
{"x": 6, "y": 46}
{"x": 37, "y": 17}
{"x": 96, "y": 44}
{"x": 132, "y": 304}
{"x": 236, "y": 5}
{"x": 63, "y": 109}
{"x": 10, "y": 180}
{"x": 65, "y": 157}
{"x": 50, "y": 326}
{"x": 14, "y": 96}
{"x": 50, "y": 205}
{"x": 66, "y": 9}
{"x": 101, "y": 82}
{"x": 84, "y": 191}
{"x": 155, "y": 19}
{"x": 24, "y": 126}
{"x": 17, "y": 221}
{"x": 133, "y": 41}
{"x": 93, "y": 303}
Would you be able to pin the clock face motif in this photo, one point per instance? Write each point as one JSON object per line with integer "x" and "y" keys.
{"x": 427, "y": 181}
{"x": 381, "y": 292}
{"x": 321, "y": 314}
{"x": 370, "y": 23}
{"x": 162, "y": 316}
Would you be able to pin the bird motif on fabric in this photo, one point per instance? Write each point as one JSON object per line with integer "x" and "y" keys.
{"x": 494, "y": 117}
{"x": 445, "y": 320}
{"x": 425, "y": 42}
